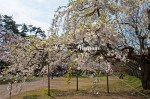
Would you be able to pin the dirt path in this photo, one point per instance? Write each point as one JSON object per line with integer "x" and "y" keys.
{"x": 21, "y": 87}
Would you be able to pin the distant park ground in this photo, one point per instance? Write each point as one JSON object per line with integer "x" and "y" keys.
{"x": 127, "y": 88}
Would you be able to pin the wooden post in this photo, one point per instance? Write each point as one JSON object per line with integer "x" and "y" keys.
{"x": 107, "y": 83}
{"x": 10, "y": 90}
{"x": 107, "y": 71}
{"x": 48, "y": 75}
{"x": 77, "y": 80}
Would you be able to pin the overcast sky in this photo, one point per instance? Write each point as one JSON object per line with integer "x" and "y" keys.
{"x": 34, "y": 12}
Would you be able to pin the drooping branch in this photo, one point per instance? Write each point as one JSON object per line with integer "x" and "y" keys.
{"x": 131, "y": 55}
{"x": 148, "y": 12}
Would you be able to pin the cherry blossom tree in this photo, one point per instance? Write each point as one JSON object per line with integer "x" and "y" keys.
{"x": 106, "y": 30}
{"x": 113, "y": 26}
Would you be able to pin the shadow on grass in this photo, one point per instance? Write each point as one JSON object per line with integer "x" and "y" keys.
{"x": 31, "y": 97}
{"x": 34, "y": 97}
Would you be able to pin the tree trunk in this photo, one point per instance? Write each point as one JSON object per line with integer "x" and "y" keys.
{"x": 144, "y": 62}
{"x": 145, "y": 76}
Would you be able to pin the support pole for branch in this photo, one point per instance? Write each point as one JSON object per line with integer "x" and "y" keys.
{"x": 77, "y": 80}
{"x": 48, "y": 75}
{"x": 107, "y": 84}
{"x": 10, "y": 90}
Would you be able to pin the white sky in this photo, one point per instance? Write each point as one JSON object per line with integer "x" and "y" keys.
{"x": 32, "y": 12}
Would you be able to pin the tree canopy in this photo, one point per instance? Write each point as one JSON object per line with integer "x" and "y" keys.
{"x": 85, "y": 31}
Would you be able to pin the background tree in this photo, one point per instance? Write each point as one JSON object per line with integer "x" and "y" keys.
{"x": 36, "y": 31}
{"x": 8, "y": 25}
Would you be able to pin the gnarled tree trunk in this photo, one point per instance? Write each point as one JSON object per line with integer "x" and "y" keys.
{"x": 145, "y": 76}
{"x": 144, "y": 62}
